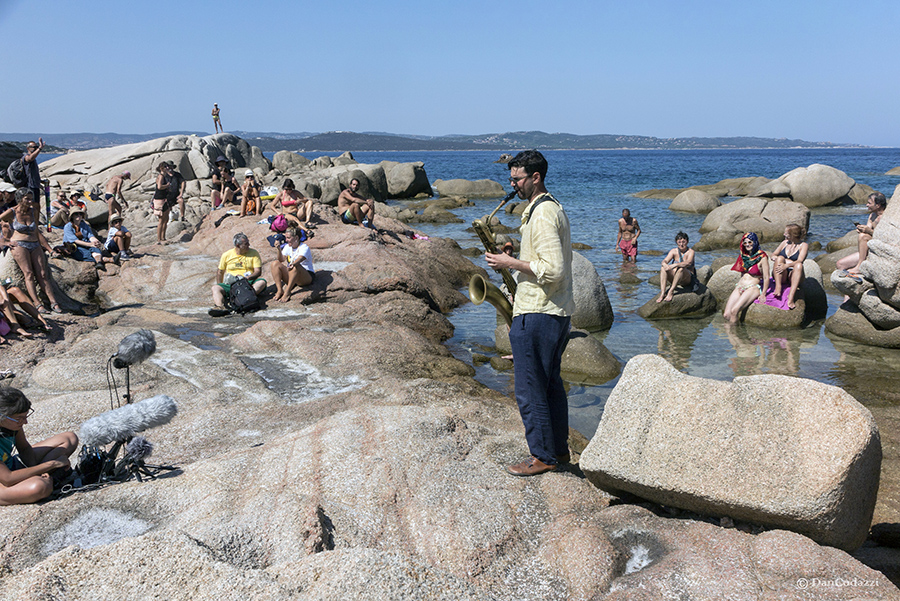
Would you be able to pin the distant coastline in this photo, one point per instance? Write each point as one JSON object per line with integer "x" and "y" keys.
{"x": 341, "y": 141}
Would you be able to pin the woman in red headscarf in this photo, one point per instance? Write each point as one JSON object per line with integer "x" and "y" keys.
{"x": 753, "y": 264}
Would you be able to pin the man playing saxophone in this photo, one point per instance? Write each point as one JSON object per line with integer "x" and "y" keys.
{"x": 542, "y": 312}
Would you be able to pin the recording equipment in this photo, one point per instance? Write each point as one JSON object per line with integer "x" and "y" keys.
{"x": 138, "y": 449}
{"x": 122, "y": 423}
{"x": 134, "y": 348}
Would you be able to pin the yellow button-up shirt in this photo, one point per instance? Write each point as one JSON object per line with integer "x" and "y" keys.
{"x": 547, "y": 247}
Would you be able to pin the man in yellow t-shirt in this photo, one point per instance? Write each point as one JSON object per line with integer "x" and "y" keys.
{"x": 238, "y": 262}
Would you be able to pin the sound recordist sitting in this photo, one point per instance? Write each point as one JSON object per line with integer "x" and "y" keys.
{"x": 26, "y": 476}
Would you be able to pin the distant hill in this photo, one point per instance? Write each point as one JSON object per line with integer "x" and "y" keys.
{"x": 339, "y": 141}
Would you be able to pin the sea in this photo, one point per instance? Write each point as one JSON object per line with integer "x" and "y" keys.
{"x": 594, "y": 187}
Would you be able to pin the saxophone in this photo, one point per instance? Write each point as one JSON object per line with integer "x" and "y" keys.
{"x": 480, "y": 289}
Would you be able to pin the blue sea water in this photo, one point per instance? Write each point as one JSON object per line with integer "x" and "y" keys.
{"x": 595, "y": 186}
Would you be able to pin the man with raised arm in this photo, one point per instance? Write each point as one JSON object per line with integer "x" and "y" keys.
{"x": 542, "y": 312}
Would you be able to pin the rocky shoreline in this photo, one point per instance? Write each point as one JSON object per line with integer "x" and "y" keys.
{"x": 332, "y": 447}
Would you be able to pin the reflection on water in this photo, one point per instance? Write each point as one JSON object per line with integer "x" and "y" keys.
{"x": 760, "y": 351}
{"x": 677, "y": 338}
{"x": 869, "y": 373}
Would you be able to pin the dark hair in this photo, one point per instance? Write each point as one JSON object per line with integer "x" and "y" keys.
{"x": 681, "y": 236}
{"x": 13, "y": 401}
{"x": 162, "y": 166}
{"x": 288, "y": 184}
{"x": 22, "y": 193}
{"x": 879, "y": 199}
{"x": 531, "y": 161}
{"x": 356, "y": 179}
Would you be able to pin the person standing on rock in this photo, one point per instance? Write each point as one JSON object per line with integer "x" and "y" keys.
{"x": 876, "y": 204}
{"x": 114, "y": 191}
{"x": 176, "y": 190}
{"x": 354, "y": 208}
{"x": 626, "y": 241}
{"x": 30, "y": 165}
{"x": 217, "y": 121}
{"x": 542, "y": 312}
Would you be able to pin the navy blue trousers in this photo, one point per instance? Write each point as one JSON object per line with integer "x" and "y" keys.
{"x": 538, "y": 341}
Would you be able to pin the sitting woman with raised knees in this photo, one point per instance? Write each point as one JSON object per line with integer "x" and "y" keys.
{"x": 293, "y": 205}
{"x": 677, "y": 266}
{"x": 789, "y": 257}
{"x": 26, "y": 476}
{"x": 753, "y": 264}
{"x": 298, "y": 270}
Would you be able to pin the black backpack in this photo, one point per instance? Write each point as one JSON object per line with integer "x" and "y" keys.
{"x": 242, "y": 298}
{"x": 15, "y": 173}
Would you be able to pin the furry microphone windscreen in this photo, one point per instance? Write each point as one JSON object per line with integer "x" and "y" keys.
{"x": 124, "y": 422}
{"x": 134, "y": 348}
{"x": 139, "y": 448}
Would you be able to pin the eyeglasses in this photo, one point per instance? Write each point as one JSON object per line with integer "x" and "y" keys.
{"x": 18, "y": 421}
{"x": 516, "y": 180}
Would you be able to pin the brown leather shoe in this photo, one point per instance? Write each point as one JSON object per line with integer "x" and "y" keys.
{"x": 530, "y": 467}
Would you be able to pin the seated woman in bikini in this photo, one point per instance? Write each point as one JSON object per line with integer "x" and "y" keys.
{"x": 789, "y": 257}
{"x": 294, "y": 206}
{"x": 753, "y": 264}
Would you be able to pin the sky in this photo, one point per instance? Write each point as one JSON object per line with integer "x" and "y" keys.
{"x": 814, "y": 70}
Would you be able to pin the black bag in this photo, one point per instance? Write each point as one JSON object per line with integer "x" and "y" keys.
{"x": 15, "y": 173}
{"x": 242, "y": 298}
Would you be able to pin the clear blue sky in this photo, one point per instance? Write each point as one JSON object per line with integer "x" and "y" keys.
{"x": 820, "y": 70}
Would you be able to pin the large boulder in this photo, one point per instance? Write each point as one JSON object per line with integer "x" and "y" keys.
{"x": 812, "y": 186}
{"x": 482, "y": 188}
{"x": 849, "y": 322}
{"x": 593, "y": 310}
{"x": 695, "y": 201}
{"x": 285, "y": 160}
{"x": 407, "y": 180}
{"x": 766, "y": 217}
{"x": 774, "y": 450}
{"x": 685, "y": 303}
{"x": 585, "y": 360}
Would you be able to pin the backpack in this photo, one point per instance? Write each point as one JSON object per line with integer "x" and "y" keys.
{"x": 16, "y": 174}
{"x": 242, "y": 297}
{"x": 279, "y": 224}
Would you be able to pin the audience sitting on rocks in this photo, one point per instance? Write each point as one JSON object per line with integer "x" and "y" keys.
{"x": 10, "y": 319}
{"x": 679, "y": 266}
{"x": 114, "y": 192}
{"x": 876, "y": 204}
{"x": 753, "y": 265}
{"x": 59, "y": 210}
{"x": 354, "y": 208}
{"x": 238, "y": 262}
{"x": 789, "y": 257}
{"x": 27, "y": 476}
{"x": 294, "y": 265}
{"x": 224, "y": 185}
{"x": 293, "y": 205}
{"x": 87, "y": 247}
{"x": 28, "y": 248}
{"x": 118, "y": 239}
{"x": 250, "y": 203}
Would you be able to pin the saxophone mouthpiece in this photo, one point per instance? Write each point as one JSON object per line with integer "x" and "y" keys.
{"x": 510, "y": 196}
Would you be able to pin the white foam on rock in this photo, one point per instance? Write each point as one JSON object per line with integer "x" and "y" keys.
{"x": 640, "y": 559}
{"x": 93, "y": 528}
